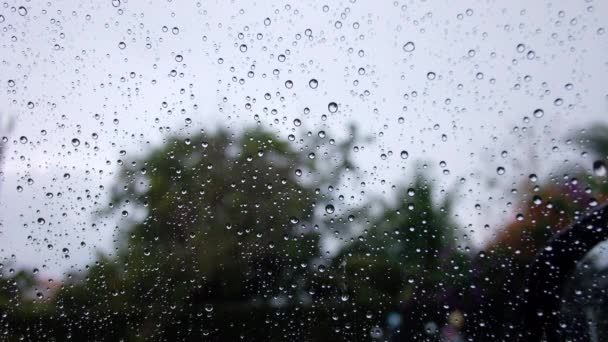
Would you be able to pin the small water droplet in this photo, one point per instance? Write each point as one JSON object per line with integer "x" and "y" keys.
{"x": 330, "y": 209}
{"x": 409, "y": 47}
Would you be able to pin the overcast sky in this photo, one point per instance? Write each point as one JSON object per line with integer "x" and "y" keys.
{"x": 462, "y": 92}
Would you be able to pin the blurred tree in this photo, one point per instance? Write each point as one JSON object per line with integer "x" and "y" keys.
{"x": 224, "y": 248}
{"x": 403, "y": 270}
{"x": 544, "y": 210}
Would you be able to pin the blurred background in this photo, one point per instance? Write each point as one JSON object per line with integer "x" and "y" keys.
{"x": 318, "y": 171}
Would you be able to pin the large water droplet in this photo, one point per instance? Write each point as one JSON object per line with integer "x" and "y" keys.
{"x": 599, "y": 168}
{"x": 332, "y": 107}
{"x": 330, "y": 209}
{"x": 539, "y": 113}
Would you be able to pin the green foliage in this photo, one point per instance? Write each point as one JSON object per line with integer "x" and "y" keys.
{"x": 218, "y": 240}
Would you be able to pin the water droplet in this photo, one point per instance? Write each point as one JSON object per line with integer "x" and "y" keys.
{"x": 115, "y": 3}
{"x": 599, "y": 168}
{"x": 267, "y": 22}
{"x": 22, "y": 11}
{"x": 288, "y": 84}
{"x": 332, "y": 107}
{"x": 41, "y": 221}
{"x": 376, "y": 333}
{"x": 409, "y": 47}
{"x": 330, "y": 209}
{"x": 404, "y": 154}
{"x": 430, "y": 76}
{"x": 500, "y": 170}
{"x": 321, "y": 268}
{"x": 122, "y": 45}
{"x": 313, "y": 83}
{"x": 539, "y": 113}
{"x": 243, "y": 48}
{"x": 23, "y": 140}
{"x": 30, "y": 105}
{"x": 75, "y": 142}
